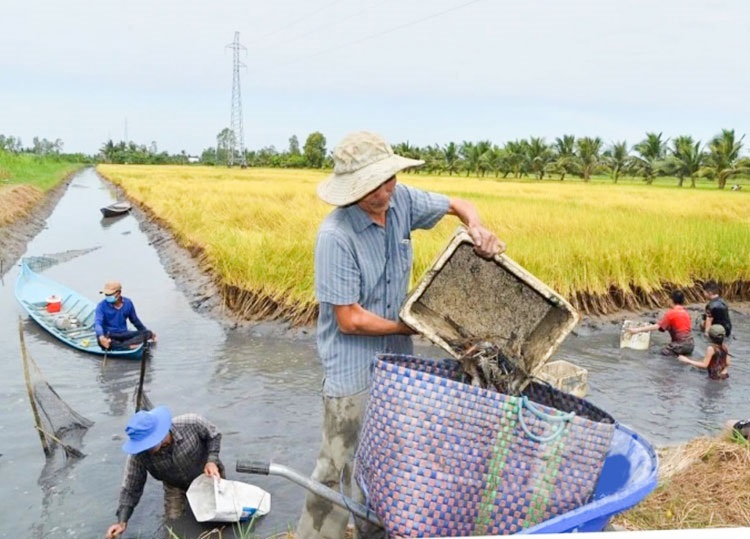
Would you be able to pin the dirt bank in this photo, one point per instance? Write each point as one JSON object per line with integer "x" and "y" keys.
{"x": 15, "y": 236}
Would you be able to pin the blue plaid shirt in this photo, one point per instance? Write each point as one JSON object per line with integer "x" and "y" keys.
{"x": 359, "y": 261}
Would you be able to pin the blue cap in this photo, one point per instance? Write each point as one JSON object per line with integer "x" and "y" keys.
{"x": 147, "y": 429}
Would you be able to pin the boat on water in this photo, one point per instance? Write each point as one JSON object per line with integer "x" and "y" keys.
{"x": 64, "y": 313}
{"x": 118, "y": 208}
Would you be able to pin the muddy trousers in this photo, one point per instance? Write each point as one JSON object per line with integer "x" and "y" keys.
{"x": 321, "y": 519}
{"x": 175, "y": 502}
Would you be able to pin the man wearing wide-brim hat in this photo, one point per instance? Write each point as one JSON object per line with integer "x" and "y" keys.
{"x": 172, "y": 450}
{"x": 363, "y": 262}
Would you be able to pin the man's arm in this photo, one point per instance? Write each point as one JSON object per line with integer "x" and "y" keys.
{"x": 133, "y": 317}
{"x": 485, "y": 241}
{"x": 99, "y": 320}
{"x": 133, "y": 481}
{"x": 643, "y": 329}
{"x": 356, "y": 320}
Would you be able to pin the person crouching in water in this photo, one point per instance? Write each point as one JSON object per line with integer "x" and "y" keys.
{"x": 716, "y": 361}
{"x": 677, "y": 322}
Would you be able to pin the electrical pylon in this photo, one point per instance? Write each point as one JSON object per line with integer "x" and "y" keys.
{"x": 237, "y": 150}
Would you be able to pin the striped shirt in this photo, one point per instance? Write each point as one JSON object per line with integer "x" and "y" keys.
{"x": 359, "y": 261}
{"x": 195, "y": 442}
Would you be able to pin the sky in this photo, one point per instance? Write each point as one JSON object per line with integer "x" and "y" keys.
{"x": 422, "y": 71}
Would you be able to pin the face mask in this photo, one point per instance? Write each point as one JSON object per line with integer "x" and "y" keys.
{"x": 111, "y": 299}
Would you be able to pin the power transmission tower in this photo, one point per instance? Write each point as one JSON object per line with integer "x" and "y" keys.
{"x": 237, "y": 149}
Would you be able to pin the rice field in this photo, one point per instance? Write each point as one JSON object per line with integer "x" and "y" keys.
{"x": 603, "y": 246}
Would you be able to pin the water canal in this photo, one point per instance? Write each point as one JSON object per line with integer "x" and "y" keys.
{"x": 260, "y": 385}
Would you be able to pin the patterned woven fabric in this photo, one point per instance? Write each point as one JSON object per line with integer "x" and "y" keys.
{"x": 438, "y": 457}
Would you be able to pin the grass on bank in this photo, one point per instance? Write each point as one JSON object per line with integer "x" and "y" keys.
{"x": 702, "y": 484}
{"x": 603, "y": 246}
{"x": 24, "y": 179}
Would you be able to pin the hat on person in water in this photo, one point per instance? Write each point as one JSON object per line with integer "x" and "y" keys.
{"x": 110, "y": 287}
{"x": 147, "y": 429}
{"x": 717, "y": 331}
{"x": 363, "y": 161}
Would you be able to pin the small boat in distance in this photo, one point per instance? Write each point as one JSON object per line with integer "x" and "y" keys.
{"x": 64, "y": 313}
{"x": 118, "y": 208}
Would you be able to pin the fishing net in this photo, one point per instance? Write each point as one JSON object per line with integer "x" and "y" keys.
{"x": 43, "y": 262}
{"x": 58, "y": 425}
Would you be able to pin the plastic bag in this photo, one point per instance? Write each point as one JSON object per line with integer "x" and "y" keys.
{"x": 222, "y": 500}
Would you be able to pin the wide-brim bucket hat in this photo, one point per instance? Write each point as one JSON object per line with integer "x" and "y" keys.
{"x": 146, "y": 429}
{"x": 363, "y": 161}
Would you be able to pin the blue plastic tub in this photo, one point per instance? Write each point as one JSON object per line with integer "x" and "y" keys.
{"x": 628, "y": 476}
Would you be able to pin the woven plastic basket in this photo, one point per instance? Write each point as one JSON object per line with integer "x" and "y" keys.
{"x": 441, "y": 458}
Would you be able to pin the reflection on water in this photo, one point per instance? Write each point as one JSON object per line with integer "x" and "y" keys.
{"x": 262, "y": 391}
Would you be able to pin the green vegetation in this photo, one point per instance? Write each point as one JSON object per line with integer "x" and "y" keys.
{"x": 24, "y": 178}
{"x": 605, "y": 247}
{"x": 42, "y": 172}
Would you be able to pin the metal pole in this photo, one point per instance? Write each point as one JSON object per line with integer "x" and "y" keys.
{"x": 266, "y": 468}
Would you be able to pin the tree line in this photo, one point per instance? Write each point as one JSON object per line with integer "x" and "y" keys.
{"x": 682, "y": 157}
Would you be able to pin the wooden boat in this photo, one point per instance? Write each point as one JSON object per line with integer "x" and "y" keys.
{"x": 118, "y": 208}
{"x": 64, "y": 313}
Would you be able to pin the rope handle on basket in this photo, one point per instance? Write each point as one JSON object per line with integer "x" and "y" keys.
{"x": 531, "y": 407}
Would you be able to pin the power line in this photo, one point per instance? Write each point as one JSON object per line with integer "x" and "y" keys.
{"x": 304, "y": 17}
{"x": 322, "y": 26}
{"x": 382, "y": 33}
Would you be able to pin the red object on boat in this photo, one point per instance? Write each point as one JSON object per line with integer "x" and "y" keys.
{"x": 54, "y": 304}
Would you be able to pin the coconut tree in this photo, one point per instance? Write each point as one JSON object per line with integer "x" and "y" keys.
{"x": 724, "y": 157}
{"x": 564, "y": 151}
{"x": 589, "y": 157}
{"x": 651, "y": 152}
{"x": 498, "y": 161}
{"x": 617, "y": 158}
{"x": 685, "y": 160}
{"x": 517, "y": 156}
{"x": 539, "y": 156}
{"x": 450, "y": 158}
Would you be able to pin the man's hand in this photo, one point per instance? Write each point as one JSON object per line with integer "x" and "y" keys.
{"x": 486, "y": 244}
{"x": 212, "y": 470}
{"x": 105, "y": 341}
{"x": 115, "y": 530}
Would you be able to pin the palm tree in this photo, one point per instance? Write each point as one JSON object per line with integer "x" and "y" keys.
{"x": 564, "y": 149}
{"x": 686, "y": 160}
{"x": 517, "y": 156}
{"x": 651, "y": 152}
{"x": 589, "y": 157}
{"x": 539, "y": 156}
{"x": 724, "y": 157}
{"x": 617, "y": 158}
{"x": 450, "y": 157}
{"x": 498, "y": 161}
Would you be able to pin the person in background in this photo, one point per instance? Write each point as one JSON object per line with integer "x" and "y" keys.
{"x": 677, "y": 322}
{"x": 717, "y": 310}
{"x": 716, "y": 360}
{"x": 363, "y": 263}
{"x": 173, "y": 451}
{"x": 111, "y": 321}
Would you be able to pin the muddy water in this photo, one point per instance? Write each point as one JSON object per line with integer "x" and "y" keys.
{"x": 260, "y": 388}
